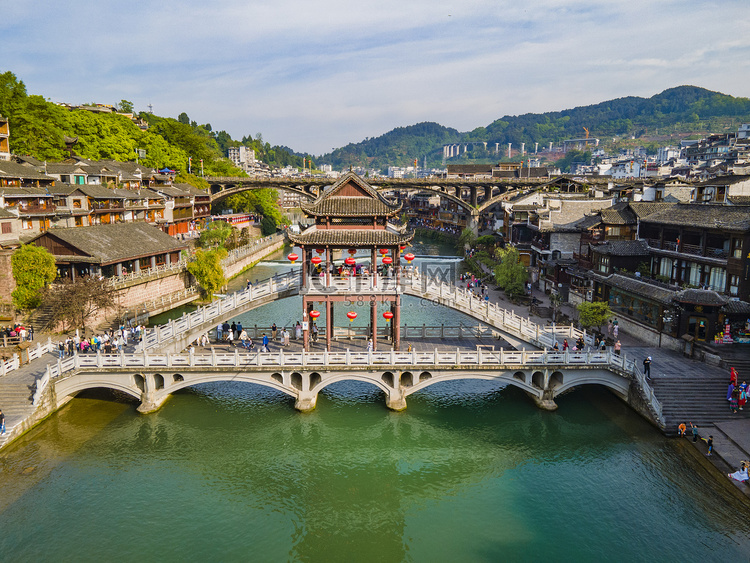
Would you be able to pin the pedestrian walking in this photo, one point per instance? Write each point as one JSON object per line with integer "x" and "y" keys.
{"x": 2, "y": 422}
{"x": 618, "y": 347}
{"x": 743, "y": 394}
{"x": 265, "y": 348}
{"x": 734, "y": 400}
{"x": 609, "y": 328}
{"x": 694, "y": 430}
{"x": 565, "y": 345}
{"x": 219, "y": 332}
{"x": 615, "y": 331}
{"x": 647, "y": 367}
{"x": 274, "y": 331}
{"x": 710, "y": 443}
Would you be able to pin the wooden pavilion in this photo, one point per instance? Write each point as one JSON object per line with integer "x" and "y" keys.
{"x": 351, "y": 216}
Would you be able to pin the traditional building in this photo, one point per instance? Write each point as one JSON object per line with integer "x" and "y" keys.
{"x": 351, "y": 216}
{"x": 109, "y": 250}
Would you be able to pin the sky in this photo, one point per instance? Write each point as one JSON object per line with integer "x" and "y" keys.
{"x": 317, "y": 75}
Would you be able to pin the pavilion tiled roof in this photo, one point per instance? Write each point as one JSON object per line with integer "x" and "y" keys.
{"x": 9, "y": 169}
{"x": 351, "y": 237}
{"x": 700, "y": 297}
{"x": 643, "y": 209}
{"x": 107, "y": 244}
{"x": 335, "y": 203}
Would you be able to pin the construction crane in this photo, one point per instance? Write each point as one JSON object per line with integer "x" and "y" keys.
{"x": 587, "y": 132}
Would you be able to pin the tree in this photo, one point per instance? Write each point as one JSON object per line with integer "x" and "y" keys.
{"x": 207, "y": 269}
{"x": 125, "y": 106}
{"x": 215, "y": 234}
{"x": 72, "y": 303}
{"x": 593, "y": 314}
{"x": 511, "y": 274}
{"x": 183, "y": 118}
{"x": 467, "y": 237}
{"x": 33, "y": 269}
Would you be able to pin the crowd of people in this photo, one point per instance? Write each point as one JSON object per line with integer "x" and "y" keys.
{"x": 108, "y": 342}
{"x": 19, "y": 331}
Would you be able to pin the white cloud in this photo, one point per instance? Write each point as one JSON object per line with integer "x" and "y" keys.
{"x": 316, "y": 75}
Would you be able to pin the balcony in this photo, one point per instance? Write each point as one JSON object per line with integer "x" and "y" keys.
{"x": 37, "y": 209}
{"x": 107, "y": 206}
{"x": 692, "y": 249}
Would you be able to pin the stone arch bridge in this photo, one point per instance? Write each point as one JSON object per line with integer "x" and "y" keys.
{"x": 152, "y": 378}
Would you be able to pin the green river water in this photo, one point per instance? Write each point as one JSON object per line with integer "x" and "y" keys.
{"x": 471, "y": 471}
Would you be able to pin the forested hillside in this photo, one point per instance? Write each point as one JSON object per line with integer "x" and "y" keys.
{"x": 39, "y": 128}
{"x": 680, "y": 110}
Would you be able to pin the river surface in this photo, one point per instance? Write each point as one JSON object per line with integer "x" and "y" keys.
{"x": 470, "y": 471}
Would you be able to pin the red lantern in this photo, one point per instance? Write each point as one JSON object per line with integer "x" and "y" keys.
{"x": 402, "y": 247}
{"x": 383, "y": 251}
{"x": 387, "y": 316}
{"x": 314, "y": 314}
{"x": 293, "y": 257}
{"x": 387, "y": 260}
{"x": 316, "y": 260}
{"x": 352, "y": 315}
{"x": 409, "y": 257}
{"x": 350, "y": 261}
{"x": 320, "y": 250}
{"x": 352, "y": 251}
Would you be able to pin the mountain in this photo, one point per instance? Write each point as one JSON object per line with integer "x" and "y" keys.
{"x": 681, "y": 111}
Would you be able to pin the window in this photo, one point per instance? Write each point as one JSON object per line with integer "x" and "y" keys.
{"x": 79, "y": 221}
{"x": 718, "y": 279}
{"x": 604, "y": 264}
{"x": 27, "y": 224}
{"x": 737, "y": 248}
{"x": 7, "y": 228}
{"x": 76, "y": 204}
{"x": 734, "y": 285}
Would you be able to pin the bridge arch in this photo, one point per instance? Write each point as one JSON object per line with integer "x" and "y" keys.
{"x": 612, "y": 381}
{"x": 353, "y": 376}
{"x": 231, "y": 377}
{"x": 505, "y": 378}
{"x": 71, "y": 386}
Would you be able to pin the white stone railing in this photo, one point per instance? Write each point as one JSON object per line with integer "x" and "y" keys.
{"x": 350, "y": 284}
{"x": 168, "y": 299}
{"x": 251, "y": 248}
{"x": 33, "y": 352}
{"x": 348, "y": 358}
{"x": 219, "y": 309}
{"x": 118, "y": 281}
{"x": 543, "y": 336}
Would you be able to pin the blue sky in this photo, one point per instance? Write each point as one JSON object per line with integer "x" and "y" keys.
{"x": 318, "y": 75}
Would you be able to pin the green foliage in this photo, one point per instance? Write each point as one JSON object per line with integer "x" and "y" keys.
{"x": 264, "y": 202}
{"x": 33, "y": 268}
{"x": 511, "y": 274}
{"x": 125, "y": 107}
{"x": 207, "y": 269}
{"x": 467, "y": 237}
{"x": 593, "y": 314}
{"x": 215, "y": 234}
{"x": 572, "y": 157}
{"x": 485, "y": 241}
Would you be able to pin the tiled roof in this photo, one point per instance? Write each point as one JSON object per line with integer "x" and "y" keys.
{"x": 622, "y": 248}
{"x": 350, "y": 237}
{"x": 24, "y": 192}
{"x": 105, "y": 244}
{"x": 99, "y": 191}
{"x": 61, "y": 188}
{"x": 645, "y": 208}
{"x": 5, "y": 214}
{"x": 368, "y": 202}
{"x": 739, "y": 199}
{"x": 618, "y": 214}
{"x": 642, "y": 288}
{"x": 737, "y": 307}
{"x": 10, "y": 169}
{"x": 706, "y": 216}
{"x": 700, "y": 297}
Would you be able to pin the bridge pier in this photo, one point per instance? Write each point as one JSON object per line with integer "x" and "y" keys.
{"x": 306, "y": 401}
{"x": 396, "y": 400}
{"x": 545, "y": 402}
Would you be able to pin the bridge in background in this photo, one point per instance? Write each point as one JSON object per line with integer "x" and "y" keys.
{"x": 474, "y": 195}
{"x": 177, "y": 335}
